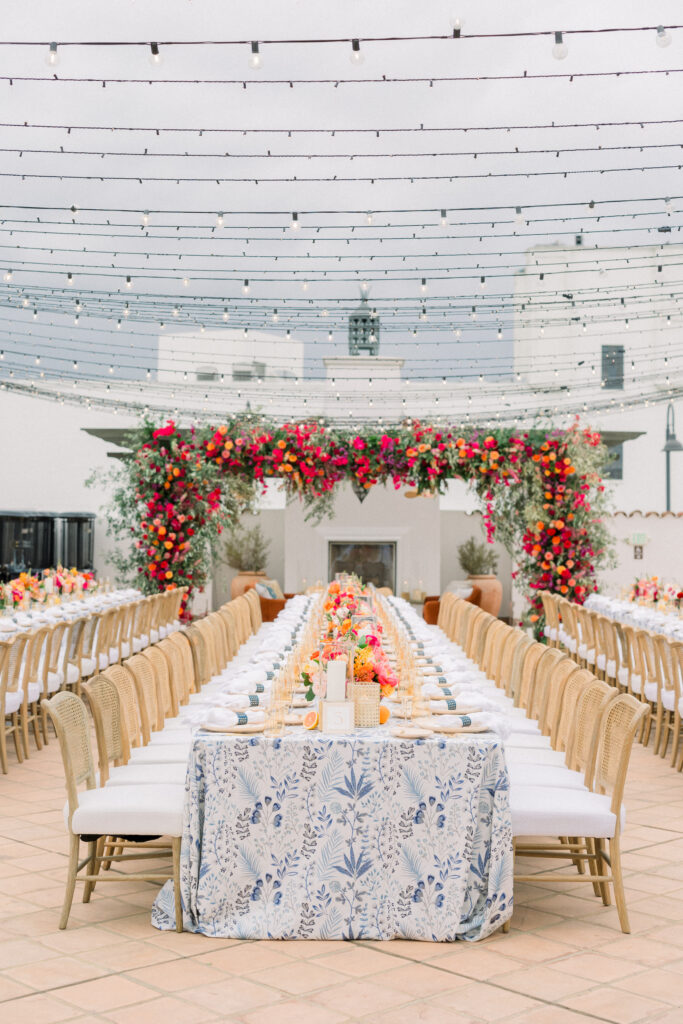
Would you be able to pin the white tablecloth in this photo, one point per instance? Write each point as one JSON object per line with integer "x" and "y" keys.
{"x": 641, "y": 616}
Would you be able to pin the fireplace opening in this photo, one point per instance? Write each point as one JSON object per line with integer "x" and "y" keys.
{"x": 373, "y": 561}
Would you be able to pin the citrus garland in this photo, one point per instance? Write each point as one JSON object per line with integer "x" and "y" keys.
{"x": 541, "y": 493}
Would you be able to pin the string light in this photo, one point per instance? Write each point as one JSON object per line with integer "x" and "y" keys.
{"x": 8, "y": 275}
{"x": 155, "y": 57}
{"x": 275, "y": 316}
{"x": 255, "y": 61}
{"x": 444, "y": 219}
{"x": 423, "y": 285}
{"x": 52, "y": 57}
{"x": 129, "y": 283}
{"x": 245, "y": 286}
{"x": 145, "y": 218}
{"x": 560, "y": 48}
{"x": 662, "y": 38}
{"x": 519, "y": 218}
{"x": 295, "y": 222}
{"x": 219, "y": 220}
{"x": 356, "y": 57}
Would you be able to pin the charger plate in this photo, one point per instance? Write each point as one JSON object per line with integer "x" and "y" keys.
{"x": 436, "y": 726}
{"x": 249, "y": 727}
{"x": 411, "y": 732}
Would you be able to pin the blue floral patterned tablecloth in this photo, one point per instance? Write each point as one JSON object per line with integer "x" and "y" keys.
{"x": 363, "y": 836}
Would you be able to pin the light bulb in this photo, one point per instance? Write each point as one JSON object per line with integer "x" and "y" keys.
{"x": 118, "y": 326}
{"x": 245, "y": 286}
{"x": 52, "y": 57}
{"x": 79, "y": 307}
{"x": 69, "y": 279}
{"x": 500, "y": 333}
{"x": 255, "y": 59}
{"x": 155, "y": 57}
{"x": 304, "y": 286}
{"x": 8, "y": 275}
{"x": 444, "y": 219}
{"x": 356, "y": 57}
{"x": 175, "y": 311}
{"x": 560, "y": 49}
{"x": 129, "y": 283}
{"x": 368, "y": 218}
{"x": 275, "y": 316}
{"x": 519, "y": 218}
{"x": 663, "y": 38}
{"x": 219, "y": 220}
{"x": 225, "y": 314}
{"x": 456, "y": 23}
{"x": 295, "y": 222}
{"x": 145, "y": 218}
{"x": 329, "y": 337}
{"x": 423, "y": 285}
{"x": 186, "y": 281}
{"x": 668, "y": 206}
{"x": 126, "y": 310}
{"x": 482, "y": 283}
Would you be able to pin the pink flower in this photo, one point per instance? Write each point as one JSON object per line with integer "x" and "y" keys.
{"x": 358, "y": 443}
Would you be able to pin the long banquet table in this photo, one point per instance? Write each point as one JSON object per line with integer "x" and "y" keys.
{"x": 365, "y": 835}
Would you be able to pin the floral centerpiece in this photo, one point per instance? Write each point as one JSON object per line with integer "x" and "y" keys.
{"x": 26, "y": 587}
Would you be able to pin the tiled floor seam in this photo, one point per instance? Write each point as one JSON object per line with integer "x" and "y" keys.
{"x": 493, "y": 984}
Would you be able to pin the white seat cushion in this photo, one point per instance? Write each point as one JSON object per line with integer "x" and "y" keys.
{"x": 13, "y": 699}
{"x": 636, "y": 683}
{"x": 72, "y": 673}
{"x": 129, "y": 811}
{"x": 148, "y": 775}
{"x": 113, "y": 655}
{"x": 154, "y": 636}
{"x": 162, "y": 753}
{"x": 125, "y": 649}
{"x": 668, "y": 699}
{"x": 524, "y": 727}
{"x": 651, "y": 692}
{"x": 550, "y": 811}
{"x": 55, "y": 680}
{"x": 550, "y": 632}
{"x": 103, "y": 662}
{"x": 533, "y": 755}
{"x": 177, "y": 735}
{"x": 558, "y": 776}
{"x": 529, "y": 740}
{"x": 88, "y": 666}
{"x": 163, "y": 632}
{"x": 34, "y": 692}
{"x": 623, "y": 675}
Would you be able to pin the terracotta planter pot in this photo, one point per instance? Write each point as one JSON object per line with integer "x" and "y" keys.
{"x": 244, "y": 581}
{"x": 491, "y": 593}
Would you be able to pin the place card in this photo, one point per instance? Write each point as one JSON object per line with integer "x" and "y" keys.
{"x": 338, "y": 716}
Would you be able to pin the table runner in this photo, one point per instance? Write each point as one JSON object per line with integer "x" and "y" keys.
{"x": 358, "y": 837}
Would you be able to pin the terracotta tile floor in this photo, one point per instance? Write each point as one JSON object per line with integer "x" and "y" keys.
{"x": 564, "y": 961}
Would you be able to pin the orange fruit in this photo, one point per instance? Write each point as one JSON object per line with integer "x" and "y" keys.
{"x": 310, "y": 720}
{"x": 384, "y": 714}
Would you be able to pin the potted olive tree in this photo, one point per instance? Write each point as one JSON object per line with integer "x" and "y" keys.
{"x": 480, "y": 562}
{"x": 246, "y": 551}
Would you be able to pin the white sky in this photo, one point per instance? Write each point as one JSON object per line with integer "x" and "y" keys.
{"x": 217, "y": 261}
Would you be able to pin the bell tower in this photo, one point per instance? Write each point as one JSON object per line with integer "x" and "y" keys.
{"x": 364, "y": 328}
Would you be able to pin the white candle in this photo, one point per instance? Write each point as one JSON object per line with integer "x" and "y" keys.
{"x": 336, "y": 679}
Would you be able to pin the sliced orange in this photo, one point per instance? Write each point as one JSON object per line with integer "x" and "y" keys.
{"x": 384, "y": 714}
{"x": 310, "y": 720}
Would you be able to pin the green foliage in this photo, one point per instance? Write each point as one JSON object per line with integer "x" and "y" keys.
{"x": 477, "y": 558}
{"x": 246, "y": 550}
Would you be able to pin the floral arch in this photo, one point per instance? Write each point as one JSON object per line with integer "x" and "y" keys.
{"x": 541, "y": 493}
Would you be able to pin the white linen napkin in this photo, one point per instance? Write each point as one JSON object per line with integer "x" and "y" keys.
{"x": 227, "y": 719}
